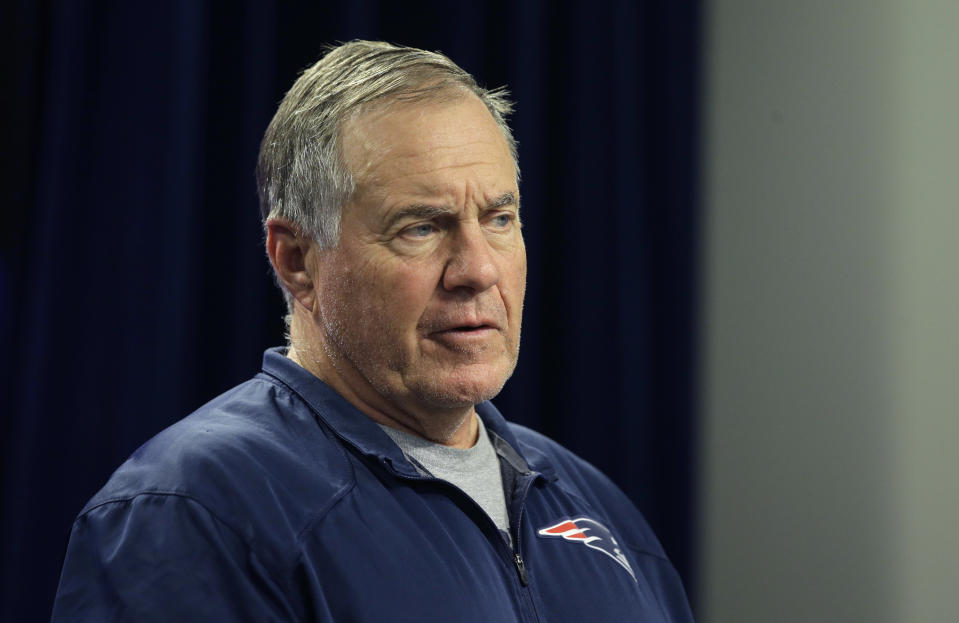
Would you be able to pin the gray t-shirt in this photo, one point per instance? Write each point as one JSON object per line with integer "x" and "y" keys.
{"x": 474, "y": 470}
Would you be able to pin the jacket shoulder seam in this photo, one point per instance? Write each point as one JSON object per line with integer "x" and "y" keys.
{"x": 177, "y": 494}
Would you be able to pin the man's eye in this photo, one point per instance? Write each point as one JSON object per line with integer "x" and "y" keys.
{"x": 502, "y": 220}
{"x": 420, "y": 231}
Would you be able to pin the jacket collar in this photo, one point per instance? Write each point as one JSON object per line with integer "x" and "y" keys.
{"x": 357, "y": 429}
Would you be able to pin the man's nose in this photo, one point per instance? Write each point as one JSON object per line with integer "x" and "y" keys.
{"x": 472, "y": 263}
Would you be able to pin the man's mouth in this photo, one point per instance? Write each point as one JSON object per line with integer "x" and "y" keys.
{"x": 459, "y": 337}
{"x": 462, "y": 324}
{"x": 469, "y": 328}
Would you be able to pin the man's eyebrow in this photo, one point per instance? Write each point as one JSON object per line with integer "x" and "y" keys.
{"x": 417, "y": 211}
{"x": 423, "y": 211}
{"x": 506, "y": 199}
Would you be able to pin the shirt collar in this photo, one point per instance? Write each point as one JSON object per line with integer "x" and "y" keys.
{"x": 357, "y": 429}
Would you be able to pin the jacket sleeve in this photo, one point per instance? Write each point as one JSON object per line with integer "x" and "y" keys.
{"x": 163, "y": 557}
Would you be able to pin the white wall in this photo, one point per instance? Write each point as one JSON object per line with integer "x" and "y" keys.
{"x": 831, "y": 445}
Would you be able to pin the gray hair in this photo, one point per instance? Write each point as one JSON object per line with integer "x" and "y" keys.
{"x": 300, "y": 173}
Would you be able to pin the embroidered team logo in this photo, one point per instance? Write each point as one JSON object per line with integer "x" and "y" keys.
{"x": 593, "y": 535}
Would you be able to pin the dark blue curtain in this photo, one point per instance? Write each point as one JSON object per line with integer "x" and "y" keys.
{"x": 133, "y": 281}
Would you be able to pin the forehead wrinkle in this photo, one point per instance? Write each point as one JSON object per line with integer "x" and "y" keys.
{"x": 377, "y": 155}
{"x": 423, "y": 181}
{"x": 376, "y": 173}
{"x": 391, "y": 155}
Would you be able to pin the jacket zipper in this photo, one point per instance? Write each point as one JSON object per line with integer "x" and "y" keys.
{"x": 517, "y": 558}
{"x": 521, "y": 569}
{"x": 517, "y": 548}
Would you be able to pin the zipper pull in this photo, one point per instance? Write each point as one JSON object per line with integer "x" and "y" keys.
{"x": 521, "y": 569}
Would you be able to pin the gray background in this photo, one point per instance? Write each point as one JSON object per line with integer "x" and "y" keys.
{"x": 828, "y": 477}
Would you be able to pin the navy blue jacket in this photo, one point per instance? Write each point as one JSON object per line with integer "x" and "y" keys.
{"x": 279, "y": 501}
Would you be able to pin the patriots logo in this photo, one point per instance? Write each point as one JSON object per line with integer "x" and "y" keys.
{"x": 593, "y": 535}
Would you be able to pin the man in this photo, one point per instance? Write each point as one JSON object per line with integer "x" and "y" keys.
{"x": 362, "y": 475}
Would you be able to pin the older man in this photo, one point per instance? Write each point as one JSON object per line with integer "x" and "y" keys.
{"x": 362, "y": 475}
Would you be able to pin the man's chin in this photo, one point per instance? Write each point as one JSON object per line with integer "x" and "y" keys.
{"x": 463, "y": 388}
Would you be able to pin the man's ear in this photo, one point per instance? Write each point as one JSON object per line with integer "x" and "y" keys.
{"x": 288, "y": 249}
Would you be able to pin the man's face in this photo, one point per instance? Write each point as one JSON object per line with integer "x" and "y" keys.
{"x": 423, "y": 294}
